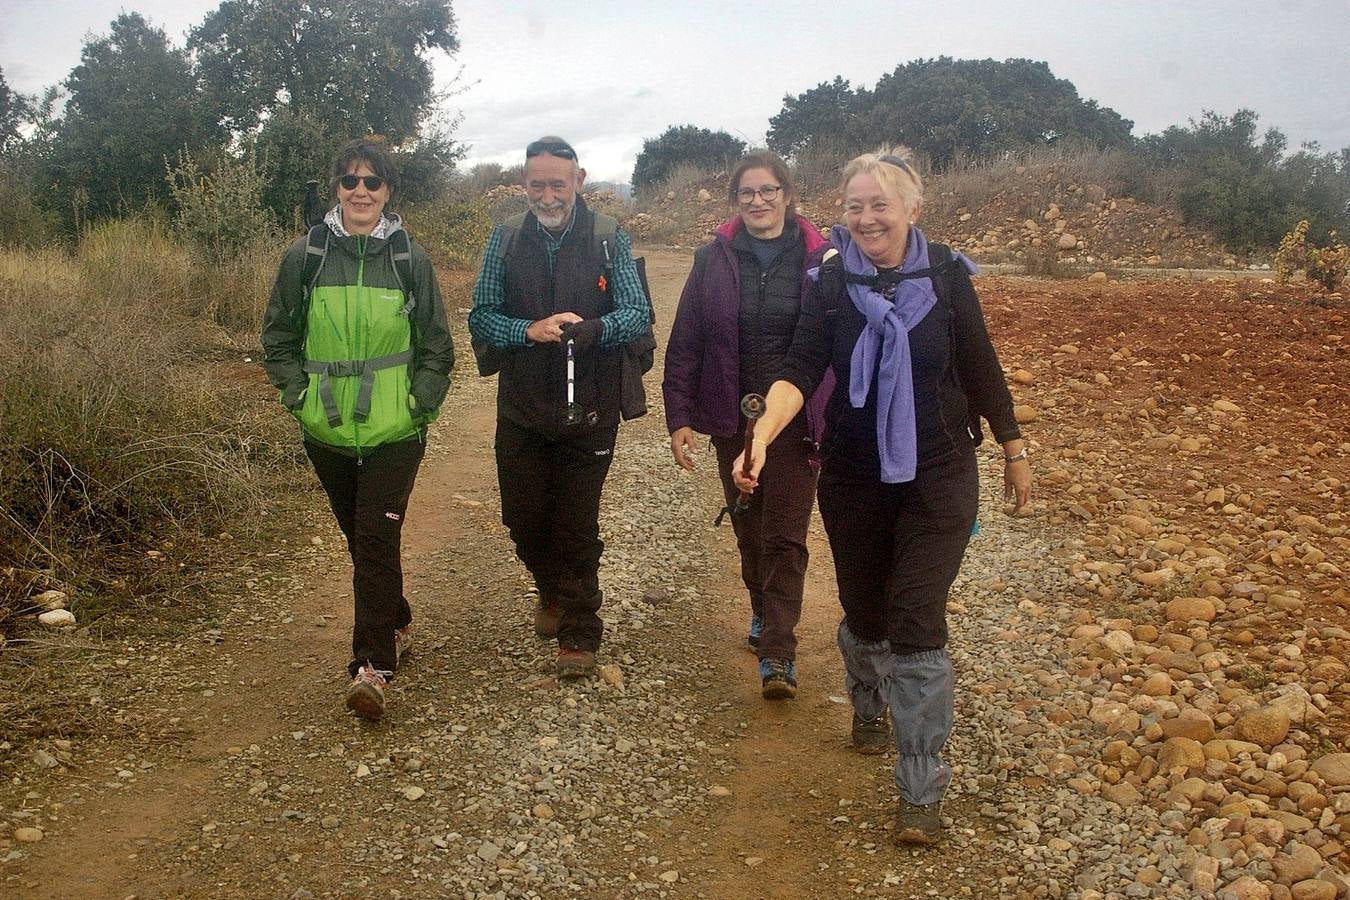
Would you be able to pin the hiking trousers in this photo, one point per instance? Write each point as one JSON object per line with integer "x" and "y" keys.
{"x": 369, "y": 498}
{"x": 897, "y": 549}
{"x": 771, "y": 533}
{"x": 550, "y": 487}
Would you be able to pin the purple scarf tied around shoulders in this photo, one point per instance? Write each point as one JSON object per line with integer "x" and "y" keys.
{"x": 887, "y": 335}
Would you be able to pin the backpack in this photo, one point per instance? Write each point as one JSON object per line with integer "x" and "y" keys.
{"x": 941, "y": 265}
{"x": 639, "y": 354}
{"x": 316, "y": 253}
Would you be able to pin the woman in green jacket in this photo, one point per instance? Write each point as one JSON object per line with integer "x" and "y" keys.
{"x": 355, "y": 338}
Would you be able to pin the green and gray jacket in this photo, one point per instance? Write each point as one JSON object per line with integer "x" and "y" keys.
{"x": 355, "y": 364}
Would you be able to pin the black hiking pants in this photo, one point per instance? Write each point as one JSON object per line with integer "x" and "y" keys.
{"x": 369, "y": 497}
{"x": 897, "y": 549}
{"x": 550, "y": 487}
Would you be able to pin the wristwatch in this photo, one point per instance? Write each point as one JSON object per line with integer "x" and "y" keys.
{"x": 1016, "y": 456}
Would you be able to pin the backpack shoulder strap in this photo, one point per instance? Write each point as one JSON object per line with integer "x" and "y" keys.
{"x": 603, "y": 230}
{"x": 940, "y": 262}
{"x": 510, "y": 230}
{"x": 316, "y": 251}
{"x": 400, "y": 254}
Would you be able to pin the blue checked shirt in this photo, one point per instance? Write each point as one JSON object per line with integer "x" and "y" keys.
{"x": 488, "y": 320}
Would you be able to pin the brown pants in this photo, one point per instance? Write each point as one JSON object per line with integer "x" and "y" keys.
{"x": 771, "y": 533}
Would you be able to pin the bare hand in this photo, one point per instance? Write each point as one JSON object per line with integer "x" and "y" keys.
{"x": 683, "y": 447}
{"x": 550, "y": 330}
{"x": 1017, "y": 483}
{"x": 744, "y": 483}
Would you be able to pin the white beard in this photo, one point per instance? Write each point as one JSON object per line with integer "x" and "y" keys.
{"x": 552, "y": 217}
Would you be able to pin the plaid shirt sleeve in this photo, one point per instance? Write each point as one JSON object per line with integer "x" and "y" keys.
{"x": 488, "y": 320}
{"x": 629, "y": 317}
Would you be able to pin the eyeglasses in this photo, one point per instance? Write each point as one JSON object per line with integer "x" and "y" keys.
{"x": 768, "y": 192}
{"x": 560, "y": 149}
{"x": 372, "y": 182}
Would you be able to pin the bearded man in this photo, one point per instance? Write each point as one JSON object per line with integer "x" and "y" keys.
{"x": 557, "y": 298}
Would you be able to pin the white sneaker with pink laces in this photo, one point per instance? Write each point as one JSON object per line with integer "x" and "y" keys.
{"x": 365, "y": 696}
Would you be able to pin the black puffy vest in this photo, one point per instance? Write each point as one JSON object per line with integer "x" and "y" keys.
{"x": 770, "y": 301}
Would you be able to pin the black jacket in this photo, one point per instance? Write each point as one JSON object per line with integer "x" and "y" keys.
{"x": 955, "y": 369}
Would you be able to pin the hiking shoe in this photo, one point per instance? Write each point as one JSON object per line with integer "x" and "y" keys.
{"x": 574, "y": 663}
{"x": 546, "y": 619}
{"x": 365, "y": 696}
{"x": 917, "y": 823}
{"x": 871, "y": 736}
{"x": 779, "y": 677}
{"x": 402, "y": 641}
{"x": 756, "y": 629}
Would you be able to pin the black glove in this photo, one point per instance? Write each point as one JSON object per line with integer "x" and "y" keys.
{"x": 584, "y": 334}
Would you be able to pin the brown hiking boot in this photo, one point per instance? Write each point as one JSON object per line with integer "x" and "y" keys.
{"x": 546, "y": 619}
{"x": 917, "y": 823}
{"x": 871, "y": 736}
{"x": 574, "y": 663}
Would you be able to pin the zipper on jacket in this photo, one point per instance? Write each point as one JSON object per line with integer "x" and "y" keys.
{"x": 356, "y": 326}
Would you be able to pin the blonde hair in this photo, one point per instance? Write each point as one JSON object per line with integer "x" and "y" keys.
{"x": 893, "y": 170}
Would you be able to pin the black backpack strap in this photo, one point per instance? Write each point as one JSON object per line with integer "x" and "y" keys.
{"x": 400, "y": 254}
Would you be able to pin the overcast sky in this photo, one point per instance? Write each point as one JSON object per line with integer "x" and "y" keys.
{"x": 608, "y": 73}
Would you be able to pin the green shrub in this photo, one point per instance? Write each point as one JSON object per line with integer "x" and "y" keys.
{"x": 220, "y": 212}
{"x": 454, "y": 232}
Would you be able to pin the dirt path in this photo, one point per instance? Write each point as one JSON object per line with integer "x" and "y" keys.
{"x": 227, "y": 766}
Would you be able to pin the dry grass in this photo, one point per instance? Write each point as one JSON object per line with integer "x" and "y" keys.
{"x": 117, "y": 428}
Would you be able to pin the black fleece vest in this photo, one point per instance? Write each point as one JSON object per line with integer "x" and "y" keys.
{"x": 532, "y": 387}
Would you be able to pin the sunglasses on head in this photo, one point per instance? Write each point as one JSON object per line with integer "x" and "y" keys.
{"x": 373, "y": 182}
{"x": 560, "y": 149}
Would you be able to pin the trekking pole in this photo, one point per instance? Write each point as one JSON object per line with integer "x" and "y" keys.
{"x": 752, "y": 407}
{"x": 573, "y": 413}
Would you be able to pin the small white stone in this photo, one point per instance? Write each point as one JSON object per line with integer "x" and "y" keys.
{"x": 57, "y": 618}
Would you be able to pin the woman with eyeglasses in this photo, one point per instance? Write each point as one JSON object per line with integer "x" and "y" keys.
{"x": 897, "y": 319}
{"x": 732, "y": 329}
{"x": 355, "y": 338}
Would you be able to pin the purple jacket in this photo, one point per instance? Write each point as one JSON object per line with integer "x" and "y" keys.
{"x": 702, "y": 372}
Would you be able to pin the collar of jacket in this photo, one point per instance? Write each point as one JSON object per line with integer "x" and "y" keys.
{"x": 811, "y": 236}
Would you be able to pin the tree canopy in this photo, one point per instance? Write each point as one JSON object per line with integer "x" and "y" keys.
{"x": 356, "y": 66}
{"x": 131, "y": 107}
{"x": 683, "y": 144}
{"x": 944, "y": 107}
{"x": 14, "y": 110}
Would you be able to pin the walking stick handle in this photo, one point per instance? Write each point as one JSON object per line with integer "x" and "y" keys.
{"x": 752, "y": 407}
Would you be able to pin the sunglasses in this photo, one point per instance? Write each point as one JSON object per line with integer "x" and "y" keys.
{"x": 560, "y": 149}
{"x": 372, "y": 182}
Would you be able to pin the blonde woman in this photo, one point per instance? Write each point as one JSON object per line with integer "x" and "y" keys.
{"x": 899, "y": 321}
